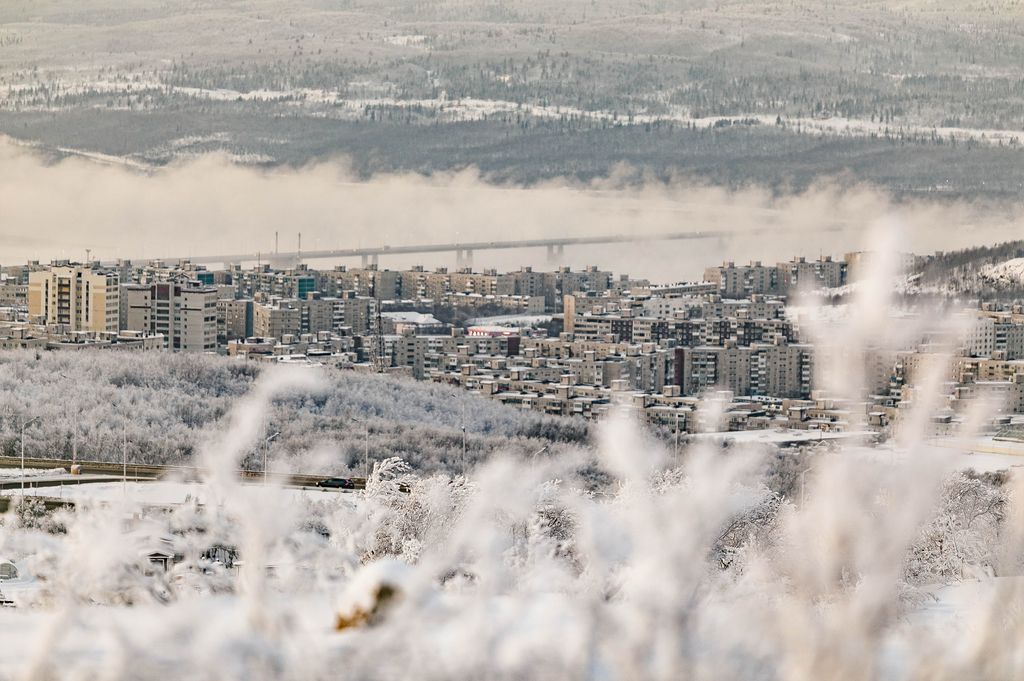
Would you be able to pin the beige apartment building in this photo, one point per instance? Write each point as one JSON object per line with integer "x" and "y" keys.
{"x": 274, "y": 321}
{"x": 185, "y": 316}
{"x": 83, "y": 298}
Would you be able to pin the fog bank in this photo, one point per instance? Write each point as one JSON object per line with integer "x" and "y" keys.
{"x": 210, "y": 206}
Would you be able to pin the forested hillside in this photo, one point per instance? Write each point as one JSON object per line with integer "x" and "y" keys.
{"x": 986, "y": 272}
{"x": 170, "y": 405}
{"x": 923, "y": 98}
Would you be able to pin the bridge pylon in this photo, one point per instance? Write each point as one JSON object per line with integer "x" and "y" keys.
{"x": 464, "y": 258}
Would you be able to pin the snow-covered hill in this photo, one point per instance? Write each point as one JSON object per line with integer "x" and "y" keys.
{"x": 1005, "y": 274}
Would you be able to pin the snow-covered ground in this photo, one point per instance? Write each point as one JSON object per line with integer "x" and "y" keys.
{"x": 91, "y": 642}
{"x": 172, "y": 493}
{"x": 18, "y": 473}
{"x": 945, "y": 454}
{"x": 513, "y": 615}
{"x": 954, "y": 606}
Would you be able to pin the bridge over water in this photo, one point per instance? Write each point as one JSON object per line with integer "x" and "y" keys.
{"x": 464, "y": 251}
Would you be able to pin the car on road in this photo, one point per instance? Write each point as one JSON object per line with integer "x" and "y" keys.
{"x": 337, "y": 483}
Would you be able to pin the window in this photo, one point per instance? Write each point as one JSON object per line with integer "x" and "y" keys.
{"x": 8, "y": 571}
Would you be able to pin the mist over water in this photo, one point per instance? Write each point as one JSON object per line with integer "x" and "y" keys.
{"x": 212, "y": 207}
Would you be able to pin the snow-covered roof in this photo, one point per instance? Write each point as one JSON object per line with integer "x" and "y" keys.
{"x": 418, "y": 318}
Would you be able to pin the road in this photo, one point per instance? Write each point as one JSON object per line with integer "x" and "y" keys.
{"x": 97, "y": 471}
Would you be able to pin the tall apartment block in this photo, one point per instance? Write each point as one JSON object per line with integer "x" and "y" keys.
{"x": 83, "y": 298}
{"x": 185, "y": 315}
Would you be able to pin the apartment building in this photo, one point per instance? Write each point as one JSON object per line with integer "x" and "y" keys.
{"x": 996, "y": 329}
{"x": 800, "y": 273}
{"x": 234, "y": 319}
{"x": 13, "y": 294}
{"x": 19, "y": 273}
{"x": 785, "y": 277}
{"x": 83, "y": 298}
{"x": 357, "y": 313}
{"x": 276, "y": 320}
{"x": 777, "y": 369}
{"x": 366, "y": 281}
{"x": 543, "y": 284}
{"x": 489, "y": 283}
{"x": 860, "y": 264}
{"x": 671, "y": 307}
{"x": 739, "y": 282}
{"x": 262, "y": 282}
{"x": 186, "y": 315}
{"x": 183, "y": 271}
{"x": 420, "y": 285}
{"x": 636, "y": 367}
{"x": 591, "y": 279}
{"x": 511, "y": 304}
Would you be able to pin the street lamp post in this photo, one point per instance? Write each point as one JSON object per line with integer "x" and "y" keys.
{"x": 23, "y": 424}
{"x": 266, "y": 447}
{"x": 124, "y": 456}
{"x": 803, "y": 495}
{"x": 366, "y": 449}
{"x": 74, "y": 428}
{"x": 675, "y": 450}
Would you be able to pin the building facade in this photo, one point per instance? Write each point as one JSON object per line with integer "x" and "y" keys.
{"x": 83, "y": 298}
{"x": 185, "y": 315}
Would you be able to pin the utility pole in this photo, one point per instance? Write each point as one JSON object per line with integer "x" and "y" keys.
{"x": 124, "y": 456}
{"x": 463, "y": 439}
{"x": 74, "y": 429}
{"x": 366, "y": 450}
{"x": 675, "y": 452}
{"x": 803, "y": 496}
{"x": 23, "y": 424}
{"x": 266, "y": 447}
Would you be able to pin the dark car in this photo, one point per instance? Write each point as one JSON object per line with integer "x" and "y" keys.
{"x": 340, "y": 483}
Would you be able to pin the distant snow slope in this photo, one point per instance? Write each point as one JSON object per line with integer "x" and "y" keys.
{"x": 1009, "y": 273}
